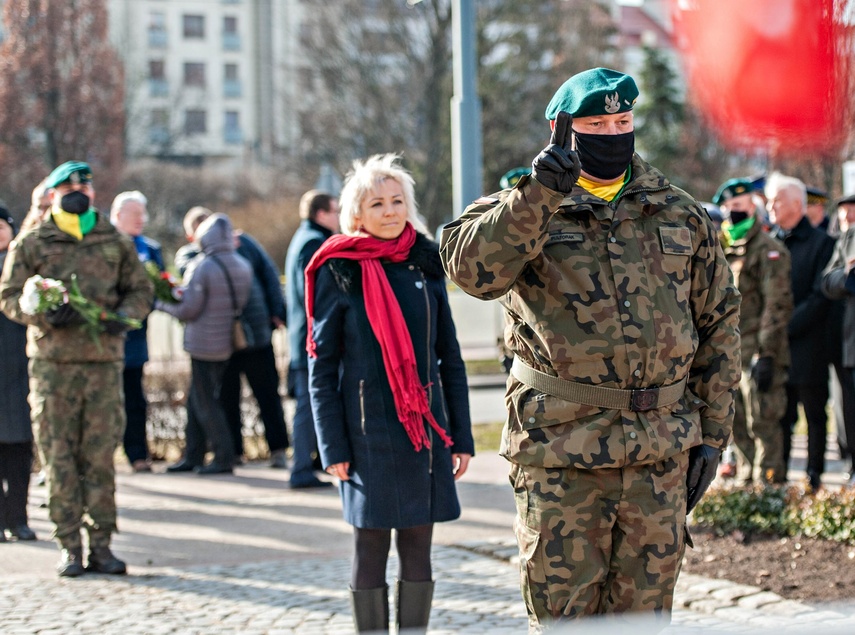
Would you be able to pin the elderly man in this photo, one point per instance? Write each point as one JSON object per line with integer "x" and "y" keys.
{"x": 75, "y": 383}
{"x": 622, "y": 317}
{"x": 129, "y": 215}
{"x": 807, "y": 382}
{"x": 761, "y": 266}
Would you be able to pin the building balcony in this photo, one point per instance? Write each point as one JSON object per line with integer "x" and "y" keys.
{"x": 232, "y": 136}
{"x": 157, "y": 39}
{"x": 231, "y": 41}
{"x": 158, "y": 88}
{"x": 232, "y": 88}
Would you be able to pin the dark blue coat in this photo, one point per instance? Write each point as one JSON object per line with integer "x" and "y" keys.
{"x": 136, "y": 345}
{"x": 391, "y": 485}
{"x": 306, "y": 241}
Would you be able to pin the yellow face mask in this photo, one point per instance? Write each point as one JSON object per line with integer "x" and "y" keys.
{"x": 77, "y": 225}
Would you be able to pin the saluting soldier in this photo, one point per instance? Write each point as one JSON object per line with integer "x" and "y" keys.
{"x": 761, "y": 267}
{"x": 76, "y": 394}
{"x": 623, "y": 321}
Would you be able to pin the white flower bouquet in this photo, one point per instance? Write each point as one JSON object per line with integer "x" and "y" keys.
{"x": 41, "y": 295}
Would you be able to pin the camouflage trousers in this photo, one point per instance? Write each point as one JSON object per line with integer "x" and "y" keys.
{"x": 757, "y": 435}
{"x": 597, "y": 542}
{"x": 78, "y": 418}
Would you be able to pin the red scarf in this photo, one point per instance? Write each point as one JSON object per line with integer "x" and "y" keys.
{"x": 387, "y": 322}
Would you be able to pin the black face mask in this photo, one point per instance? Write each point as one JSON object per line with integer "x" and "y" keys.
{"x": 737, "y": 217}
{"x": 605, "y": 156}
{"x": 75, "y": 202}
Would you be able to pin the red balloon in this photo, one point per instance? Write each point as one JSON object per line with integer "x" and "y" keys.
{"x": 772, "y": 74}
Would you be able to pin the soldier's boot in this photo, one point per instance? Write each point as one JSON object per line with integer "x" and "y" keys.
{"x": 412, "y": 606}
{"x": 70, "y": 560}
{"x": 101, "y": 559}
{"x": 370, "y": 609}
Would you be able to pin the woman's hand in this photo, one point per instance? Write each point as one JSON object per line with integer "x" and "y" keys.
{"x": 339, "y": 470}
{"x": 459, "y": 463}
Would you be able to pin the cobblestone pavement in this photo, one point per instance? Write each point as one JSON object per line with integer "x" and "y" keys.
{"x": 244, "y": 554}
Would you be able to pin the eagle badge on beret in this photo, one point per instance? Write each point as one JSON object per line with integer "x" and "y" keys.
{"x": 612, "y": 103}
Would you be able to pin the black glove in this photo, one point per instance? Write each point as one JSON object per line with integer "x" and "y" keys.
{"x": 557, "y": 166}
{"x": 115, "y": 327}
{"x": 703, "y": 463}
{"x": 63, "y": 315}
{"x": 761, "y": 373}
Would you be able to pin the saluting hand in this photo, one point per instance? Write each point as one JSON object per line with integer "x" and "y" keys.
{"x": 557, "y": 166}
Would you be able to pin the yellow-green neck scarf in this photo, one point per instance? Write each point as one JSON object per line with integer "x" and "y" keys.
{"x": 77, "y": 225}
{"x": 738, "y": 231}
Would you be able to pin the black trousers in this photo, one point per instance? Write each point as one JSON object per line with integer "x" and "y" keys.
{"x": 16, "y": 461}
{"x": 136, "y": 408}
{"x": 206, "y": 421}
{"x": 813, "y": 398}
{"x": 258, "y": 365}
{"x": 846, "y": 409}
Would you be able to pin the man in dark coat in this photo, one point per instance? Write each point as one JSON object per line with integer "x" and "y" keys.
{"x": 810, "y": 250}
{"x": 838, "y": 283}
{"x": 320, "y": 215}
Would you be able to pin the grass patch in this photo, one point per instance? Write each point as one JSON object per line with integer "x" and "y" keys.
{"x": 483, "y": 367}
{"x": 488, "y": 436}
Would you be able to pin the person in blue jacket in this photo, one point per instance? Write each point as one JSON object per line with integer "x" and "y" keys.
{"x": 129, "y": 214}
{"x": 388, "y": 388}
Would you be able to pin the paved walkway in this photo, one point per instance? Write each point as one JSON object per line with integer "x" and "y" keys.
{"x": 244, "y": 554}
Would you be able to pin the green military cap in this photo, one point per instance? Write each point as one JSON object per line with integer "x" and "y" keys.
{"x": 74, "y": 171}
{"x": 512, "y": 177}
{"x": 598, "y": 91}
{"x": 816, "y": 196}
{"x": 731, "y": 188}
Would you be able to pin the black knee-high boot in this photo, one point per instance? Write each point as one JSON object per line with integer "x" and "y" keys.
{"x": 370, "y": 610}
{"x": 412, "y": 606}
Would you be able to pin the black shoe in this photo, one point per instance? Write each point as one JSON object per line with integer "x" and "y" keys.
{"x": 182, "y": 466}
{"x": 314, "y": 482}
{"x": 2, "y": 536}
{"x": 102, "y": 560}
{"x": 22, "y": 532}
{"x": 70, "y": 563}
{"x": 814, "y": 481}
{"x": 213, "y": 468}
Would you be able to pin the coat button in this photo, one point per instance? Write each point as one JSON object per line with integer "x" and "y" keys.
{"x": 419, "y": 284}
{"x": 627, "y": 303}
{"x": 632, "y": 435}
{"x": 532, "y": 420}
{"x": 612, "y": 239}
{"x": 637, "y": 373}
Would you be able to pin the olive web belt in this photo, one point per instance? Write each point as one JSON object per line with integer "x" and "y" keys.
{"x": 637, "y": 400}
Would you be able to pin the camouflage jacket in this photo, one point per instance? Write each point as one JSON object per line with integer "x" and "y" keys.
{"x": 109, "y": 273}
{"x": 761, "y": 268}
{"x": 630, "y": 294}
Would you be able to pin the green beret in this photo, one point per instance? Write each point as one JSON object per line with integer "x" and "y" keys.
{"x": 599, "y": 91}
{"x": 731, "y": 188}
{"x": 512, "y": 177}
{"x": 74, "y": 171}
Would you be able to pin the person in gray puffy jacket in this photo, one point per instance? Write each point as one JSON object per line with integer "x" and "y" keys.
{"x": 216, "y": 281}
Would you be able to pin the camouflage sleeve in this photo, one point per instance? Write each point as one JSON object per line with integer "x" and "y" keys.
{"x": 486, "y": 249}
{"x": 136, "y": 290}
{"x": 716, "y": 368}
{"x": 776, "y": 287}
{"x": 16, "y": 271}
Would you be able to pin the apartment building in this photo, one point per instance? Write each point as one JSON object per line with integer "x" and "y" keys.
{"x": 208, "y": 81}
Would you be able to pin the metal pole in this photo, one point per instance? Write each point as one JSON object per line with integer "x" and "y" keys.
{"x": 465, "y": 109}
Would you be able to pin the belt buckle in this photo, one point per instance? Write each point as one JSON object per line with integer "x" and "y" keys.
{"x": 644, "y": 399}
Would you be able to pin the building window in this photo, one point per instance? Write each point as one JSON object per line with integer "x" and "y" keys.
{"x": 157, "y": 29}
{"x": 231, "y": 37}
{"x": 231, "y": 81}
{"x": 231, "y": 129}
{"x": 194, "y": 74}
{"x": 158, "y": 128}
{"x": 194, "y": 26}
{"x": 157, "y": 86}
{"x": 195, "y": 122}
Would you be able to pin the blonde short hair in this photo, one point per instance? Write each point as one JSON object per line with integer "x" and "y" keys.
{"x": 363, "y": 178}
